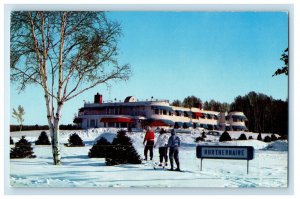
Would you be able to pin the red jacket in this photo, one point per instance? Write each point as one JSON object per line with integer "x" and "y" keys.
{"x": 149, "y": 136}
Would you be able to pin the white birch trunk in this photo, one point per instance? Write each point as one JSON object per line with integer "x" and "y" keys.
{"x": 55, "y": 136}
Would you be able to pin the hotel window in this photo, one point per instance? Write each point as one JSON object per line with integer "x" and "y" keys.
{"x": 164, "y": 112}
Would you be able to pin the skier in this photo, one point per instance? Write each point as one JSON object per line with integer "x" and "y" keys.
{"x": 174, "y": 144}
{"x": 161, "y": 143}
{"x": 149, "y": 138}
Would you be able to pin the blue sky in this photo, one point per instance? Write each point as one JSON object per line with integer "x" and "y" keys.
{"x": 212, "y": 55}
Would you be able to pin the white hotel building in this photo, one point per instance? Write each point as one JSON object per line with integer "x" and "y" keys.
{"x": 138, "y": 114}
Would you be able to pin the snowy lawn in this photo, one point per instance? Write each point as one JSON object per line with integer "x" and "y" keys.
{"x": 269, "y": 168}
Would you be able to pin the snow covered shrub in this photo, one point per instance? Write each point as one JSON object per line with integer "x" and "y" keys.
{"x": 43, "y": 139}
{"x": 22, "y": 149}
{"x": 259, "y": 137}
{"x": 122, "y": 151}
{"x": 99, "y": 150}
{"x": 11, "y": 141}
{"x": 273, "y": 137}
{"x": 242, "y": 137}
{"x": 225, "y": 137}
{"x": 267, "y": 139}
{"x": 250, "y": 137}
{"x": 74, "y": 141}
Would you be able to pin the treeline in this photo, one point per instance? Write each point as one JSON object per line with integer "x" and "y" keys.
{"x": 193, "y": 101}
{"x": 264, "y": 113}
{"x": 42, "y": 127}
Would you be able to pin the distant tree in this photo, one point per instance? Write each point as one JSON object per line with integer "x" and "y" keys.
{"x": 66, "y": 53}
{"x": 285, "y": 58}
{"x": 122, "y": 151}
{"x": 192, "y": 101}
{"x": 43, "y": 139}
{"x": 11, "y": 141}
{"x": 242, "y": 137}
{"x": 264, "y": 114}
{"x": 176, "y": 103}
{"x": 75, "y": 141}
{"x": 19, "y": 116}
{"x": 100, "y": 149}
{"x": 214, "y": 105}
{"x": 22, "y": 149}
{"x": 225, "y": 137}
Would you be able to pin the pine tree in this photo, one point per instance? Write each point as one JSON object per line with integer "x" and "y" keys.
{"x": 122, "y": 151}
{"x": 100, "y": 149}
{"x": 11, "y": 141}
{"x": 267, "y": 139}
{"x": 74, "y": 141}
{"x": 22, "y": 149}
{"x": 43, "y": 139}
{"x": 242, "y": 137}
{"x": 225, "y": 137}
{"x": 273, "y": 137}
{"x": 259, "y": 137}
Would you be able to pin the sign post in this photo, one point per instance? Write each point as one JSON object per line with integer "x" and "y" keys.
{"x": 225, "y": 152}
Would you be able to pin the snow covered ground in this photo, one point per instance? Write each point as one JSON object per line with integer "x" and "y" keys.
{"x": 269, "y": 168}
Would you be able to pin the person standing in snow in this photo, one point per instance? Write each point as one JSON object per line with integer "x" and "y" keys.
{"x": 149, "y": 140}
{"x": 161, "y": 143}
{"x": 174, "y": 144}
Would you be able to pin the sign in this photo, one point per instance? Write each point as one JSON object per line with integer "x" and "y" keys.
{"x": 226, "y": 152}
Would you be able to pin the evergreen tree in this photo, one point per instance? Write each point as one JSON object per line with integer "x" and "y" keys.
{"x": 225, "y": 137}
{"x": 43, "y": 139}
{"x": 176, "y": 103}
{"x": 11, "y": 141}
{"x": 22, "y": 149}
{"x": 259, "y": 137}
{"x": 74, "y": 141}
{"x": 192, "y": 101}
{"x": 100, "y": 149}
{"x": 273, "y": 137}
{"x": 122, "y": 151}
{"x": 242, "y": 137}
{"x": 267, "y": 139}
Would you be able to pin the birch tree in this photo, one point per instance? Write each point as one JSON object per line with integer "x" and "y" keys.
{"x": 66, "y": 53}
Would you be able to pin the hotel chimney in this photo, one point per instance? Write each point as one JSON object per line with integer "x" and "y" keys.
{"x": 98, "y": 99}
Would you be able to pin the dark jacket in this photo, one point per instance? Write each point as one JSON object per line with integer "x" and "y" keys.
{"x": 174, "y": 141}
